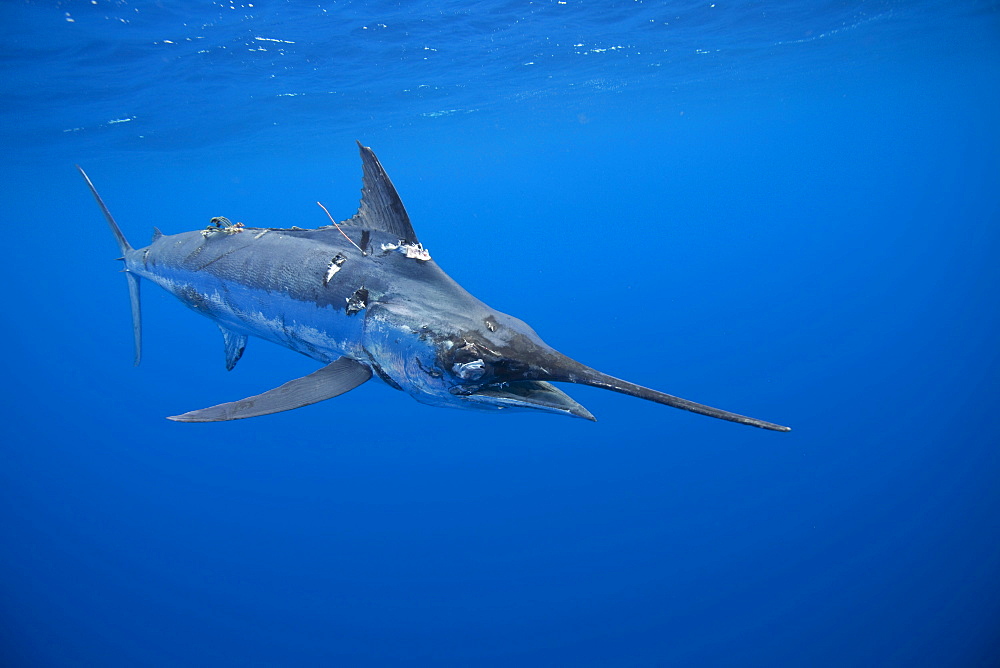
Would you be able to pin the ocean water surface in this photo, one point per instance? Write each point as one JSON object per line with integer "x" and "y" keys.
{"x": 785, "y": 209}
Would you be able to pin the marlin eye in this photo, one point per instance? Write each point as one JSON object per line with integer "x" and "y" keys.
{"x": 473, "y": 370}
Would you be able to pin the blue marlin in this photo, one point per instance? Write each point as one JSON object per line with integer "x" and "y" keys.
{"x": 364, "y": 298}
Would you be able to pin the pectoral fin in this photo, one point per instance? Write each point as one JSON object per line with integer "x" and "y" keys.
{"x": 336, "y": 378}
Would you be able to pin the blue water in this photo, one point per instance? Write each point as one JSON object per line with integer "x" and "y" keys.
{"x": 785, "y": 209}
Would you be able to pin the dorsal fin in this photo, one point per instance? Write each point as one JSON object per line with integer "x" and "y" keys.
{"x": 381, "y": 208}
{"x": 156, "y": 233}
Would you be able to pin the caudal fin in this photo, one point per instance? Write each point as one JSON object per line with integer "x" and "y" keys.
{"x": 133, "y": 280}
{"x": 119, "y": 237}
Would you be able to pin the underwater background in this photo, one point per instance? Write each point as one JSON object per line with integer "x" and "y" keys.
{"x": 787, "y": 209}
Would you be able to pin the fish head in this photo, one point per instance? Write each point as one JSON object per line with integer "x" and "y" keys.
{"x": 475, "y": 357}
{"x": 468, "y": 357}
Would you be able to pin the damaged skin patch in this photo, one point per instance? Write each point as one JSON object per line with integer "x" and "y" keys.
{"x": 223, "y": 225}
{"x": 335, "y": 264}
{"x": 413, "y": 251}
{"x": 357, "y": 302}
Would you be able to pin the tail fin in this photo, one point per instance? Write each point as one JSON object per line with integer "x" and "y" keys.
{"x": 133, "y": 280}
{"x": 122, "y": 242}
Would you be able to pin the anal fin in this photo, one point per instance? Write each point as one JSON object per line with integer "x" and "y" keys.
{"x": 340, "y": 376}
{"x": 235, "y": 344}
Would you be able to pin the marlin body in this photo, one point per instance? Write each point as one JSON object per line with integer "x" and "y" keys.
{"x": 364, "y": 298}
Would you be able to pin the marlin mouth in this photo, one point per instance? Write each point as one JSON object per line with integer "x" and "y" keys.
{"x": 525, "y": 394}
